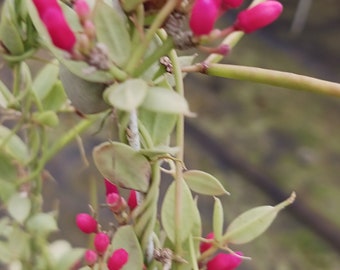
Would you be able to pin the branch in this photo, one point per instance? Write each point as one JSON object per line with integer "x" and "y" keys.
{"x": 267, "y": 76}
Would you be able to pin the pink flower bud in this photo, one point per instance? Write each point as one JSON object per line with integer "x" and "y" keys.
{"x": 224, "y": 261}
{"x": 258, "y": 16}
{"x": 118, "y": 259}
{"x": 60, "y": 32}
{"x": 43, "y": 5}
{"x": 110, "y": 187}
{"x": 86, "y": 223}
{"x": 204, "y": 14}
{"x": 132, "y": 200}
{"x": 228, "y": 4}
{"x": 101, "y": 242}
{"x": 116, "y": 202}
{"x": 90, "y": 257}
{"x": 206, "y": 245}
{"x": 83, "y": 10}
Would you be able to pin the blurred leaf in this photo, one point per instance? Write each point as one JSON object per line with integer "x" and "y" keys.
{"x": 163, "y": 100}
{"x": 218, "y": 219}
{"x": 42, "y": 223}
{"x": 126, "y": 96}
{"x": 203, "y": 183}
{"x": 46, "y": 78}
{"x": 5, "y": 95}
{"x": 46, "y": 118}
{"x": 69, "y": 259}
{"x": 12, "y": 145}
{"x": 9, "y": 32}
{"x": 19, "y": 207}
{"x": 111, "y": 30}
{"x": 187, "y": 213}
{"x": 159, "y": 125}
{"x": 5, "y": 253}
{"x": 19, "y": 244}
{"x": 7, "y": 189}
{"x": 253, "y": 222}
{"x": 122, "y": 165}
{"x": 56, "y": 98}
{"x": 85, "y": 96}
{"x": 126, "y": 238}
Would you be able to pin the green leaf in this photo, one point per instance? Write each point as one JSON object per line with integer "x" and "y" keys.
{"x": 204, "y": 183}
{"x": 128, "y": 95}
{"x": 112, "y": 30}
{"x": 126, "y": 238}
{"x": 9, "y": 32}
{"x": 56, "y": 98}
{"x": 5, "y": 95}
{"x": 12, "y": 145}
{"x": 163, "y": 100}
{"x": 187, "y": 215}
{"x": 7, "y": 190}
{"x": 42, "y": 223}
{"x": 122, "y": 165}
{"x": 46, "y": 118}
{"x": 253, "y": 222}
{"x": 218, "y": 219}
{"x": 19, "y": 207}
{"x": 46, "y": 78}
{"x": 86, "y": 96}
{"x": 159, "y": 125}
{"x": 69, "y": 259}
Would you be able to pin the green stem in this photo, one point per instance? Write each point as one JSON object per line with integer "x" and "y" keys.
{"x": 139, "y": 52}
{"x": 180, "y": 144}
{"x": 272, "y": 77}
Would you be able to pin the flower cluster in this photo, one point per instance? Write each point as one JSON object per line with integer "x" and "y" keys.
{"x": 101, "y": 242}
{"x": 205, "y": 13}
{"x": 54, "y": 20}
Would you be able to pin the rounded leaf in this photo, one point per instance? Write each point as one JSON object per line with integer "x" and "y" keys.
{"x": 126, "y": 96}
{"x": 126, "y": 238}
{"x": 163, "y": 100}
{"x": 204, "y": 183}
{"x": 42, "y": 223}
{"x": 218, "y": 218}
{"x": 187, "y": 217}
{"x": 19, "y": 207}
{"x": 122, "y": 165}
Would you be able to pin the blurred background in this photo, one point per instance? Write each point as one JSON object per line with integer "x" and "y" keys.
{"x": 262, "y": 142}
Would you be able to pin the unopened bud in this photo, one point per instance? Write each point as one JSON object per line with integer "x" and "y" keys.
{"x": 90, "y": 257}
{"x": 224, "y": 261}
{"x": 86, "y": 223}
{"x": 101, "y": 242}
{"x": 132, "y": 200}
{"x": 116, "y": 203}
{"x": 118, "y": 259}
{"x": 82, "y": 9}
{"x": 206, "y": 245}
{"x": 258, "y": 16}
{"x": 204, "y": 14}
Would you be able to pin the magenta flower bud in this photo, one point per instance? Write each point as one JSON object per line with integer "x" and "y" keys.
{"x": 132, "y": 200}
{"x": 116, "y": 202}
{"x": 90, "y": 257}
{"x": 118, "y": 259}
{"x": 43, "y": 5}
{"x": 86, "y": 223}
{"x": 60, "y": 32}
{"x": 258, "y": 16}
{"x": 82, "y": 9}
{"x": 203, "y": 16}
{"x": 206, "y": 245}
{"x": 110, "y": 187}
{"x": 101, "y": 242}
{"x": 224, "y": 261}
{"x": 228, "y": 4}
